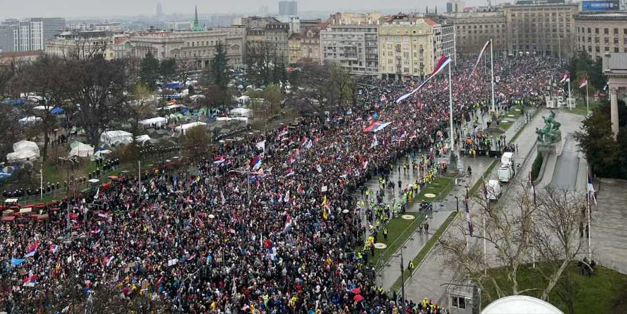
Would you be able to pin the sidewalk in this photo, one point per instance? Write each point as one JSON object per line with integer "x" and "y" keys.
{"x": 392, "y": 270}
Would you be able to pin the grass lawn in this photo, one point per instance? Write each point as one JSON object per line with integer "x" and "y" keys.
{"x": 581, "y": 109}
{"x": 425, "y": 250}
{"x": 440, "y": 187}
{"x": 399, "y": 230}
{"x": 594, "y": 294}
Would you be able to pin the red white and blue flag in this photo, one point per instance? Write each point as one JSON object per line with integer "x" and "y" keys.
{"x": 256, "y": 163}
{"x": 290, "y": 172}
{"x": 32, "y": 250}
{"x": 30, "y": 281}
{"x": 442, "y": 63}
{"x": 219, "y": 159}
{"x": 565, "y": 78}
{"x": 584, "y": 81}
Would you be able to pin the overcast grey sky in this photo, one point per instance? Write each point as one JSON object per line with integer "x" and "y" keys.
{"x": 102, "y": 8}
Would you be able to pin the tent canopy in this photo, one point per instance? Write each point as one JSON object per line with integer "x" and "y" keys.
{"x": 116, "y": 138}
{"x": 79, "y": 149}
{"x": 183, "y": 128}
{"x": 158, "y": 121}
{"x": 241, "y": 112}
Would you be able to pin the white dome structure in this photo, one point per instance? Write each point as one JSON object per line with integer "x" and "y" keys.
{"x": 520, "y": 304}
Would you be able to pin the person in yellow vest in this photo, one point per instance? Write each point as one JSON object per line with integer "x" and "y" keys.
{"x": 410, "y": 267}
{"x": 385, "y": 233}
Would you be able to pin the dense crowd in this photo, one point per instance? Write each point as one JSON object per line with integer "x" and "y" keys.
{"x": 268, "y": 225}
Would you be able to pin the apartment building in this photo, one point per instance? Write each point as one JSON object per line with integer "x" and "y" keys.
{"x": 354, "y": 47}
{"x": 409, "y": 46}
{"x": 474, "y": 29}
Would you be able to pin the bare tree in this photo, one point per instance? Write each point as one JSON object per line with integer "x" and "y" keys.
{"x": 43, "y": 78}
{"x": 98, "y": 90}
{"x": 512, "y": 229}
{"x": 557, "y": 226}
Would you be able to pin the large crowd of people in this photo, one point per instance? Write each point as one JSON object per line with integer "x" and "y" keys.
{"x": 270, "y": 223}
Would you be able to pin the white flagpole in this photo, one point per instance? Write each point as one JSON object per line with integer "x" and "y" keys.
{"x": 139, "y": 172}
{"x": 41, "y": 182}
{"x": 450, "y": 98}
{"x": 569, "y": 106}
{"x": 589, "y": 220}
{"x": 492, "y": 66}
{"x": 587, "y": 96}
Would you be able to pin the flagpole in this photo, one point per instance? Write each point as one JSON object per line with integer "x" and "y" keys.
{"x": 41, "y": 182}
{"x": 139, "y": 172}
{"x": 492, "y": 66}
{"x": 569, "y": 95}
{"x": 588, "y": 218}
{"x": 450, "y": 98}
{"x": 587, "y": 97}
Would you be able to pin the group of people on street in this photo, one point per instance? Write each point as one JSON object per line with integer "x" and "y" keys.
{"x": 267, "y": 225}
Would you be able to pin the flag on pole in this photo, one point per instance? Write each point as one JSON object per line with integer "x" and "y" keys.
{"x": 223, "y": 198}
{"x": 584, "y": 81}
{"x": 442, "y": 63}
{"x": 565, "y": 78}
{"x": 256, "y": 163}
{"x": 219, "y": 159}
{"x": 487, "y": 44}
{"x": 17, "y": 261}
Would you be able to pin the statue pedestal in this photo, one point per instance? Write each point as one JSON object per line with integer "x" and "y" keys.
{"x": 546, "y": 148}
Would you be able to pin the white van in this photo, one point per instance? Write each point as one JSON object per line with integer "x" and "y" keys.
{"x": 506, "y": 170}
{"x": 494, "y": 190}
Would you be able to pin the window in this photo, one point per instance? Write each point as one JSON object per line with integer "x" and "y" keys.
{"x": 459, "y": 302}
{"x": 606, "y": 31}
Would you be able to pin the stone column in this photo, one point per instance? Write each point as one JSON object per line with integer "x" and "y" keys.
{"x": 614, "y": 108}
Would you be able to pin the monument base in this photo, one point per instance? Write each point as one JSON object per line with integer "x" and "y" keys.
{"x": 546, "y": 148}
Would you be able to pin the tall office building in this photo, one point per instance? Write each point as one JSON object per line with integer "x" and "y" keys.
{"x": 159, "y": 11}
{"x": 30, "y": 34}
{"x": 288, "y": 8}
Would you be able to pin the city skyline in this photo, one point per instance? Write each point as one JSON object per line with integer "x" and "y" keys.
{"x": 85, "y": 9}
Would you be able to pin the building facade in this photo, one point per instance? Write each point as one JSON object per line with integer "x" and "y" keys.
{"x": 29, "y": 35}
{"x": 541, "y": 27}
{"x": 408, "y": 46}
{"x": 474, "y": 29}
{"x": 81, "y": 45}
{"x": 344, "y": 18}
{"x": 196, "y": 49}
{"x": 305, "y": 47}
{"x": 353, "y": 47}
{"x": 601, "y": 33}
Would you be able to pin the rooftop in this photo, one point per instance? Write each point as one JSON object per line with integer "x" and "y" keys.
{"x": 620, "y": 16}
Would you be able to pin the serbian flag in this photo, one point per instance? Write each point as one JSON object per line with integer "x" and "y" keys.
{"x": 54, "y": 248}
{"x": 108, "y": 259}
{"x": 487, "y": 44}
{"x": 30, "y": 281}
{"x": 565, "y": 78}
{"x": 256, "y": 163}
{"x": 584, "y": 81}
{"x": 290, "y": 172}
{"x": 32, "y": 250}
{"x": 219, "y": 159}
{"x": 442, "y": 63}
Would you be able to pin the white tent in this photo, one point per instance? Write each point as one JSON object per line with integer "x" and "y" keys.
{"x": 243, "y": 99}
{"x": 158, "y": 122}
{"x": 81, "y": 150}
{"x": 183, "y": 128}
{"x": 100, "y": 154}
{"x": 23, "y": 151}
{"x": 113, "y": 138}
{"x": 31, "y": 119}
{"x": 142, "y": 139}
{"x": 241, "y": 112}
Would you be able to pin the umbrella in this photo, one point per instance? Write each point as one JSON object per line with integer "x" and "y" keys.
{"x": 356, "y": 291}
{"x": 358, "y": 298}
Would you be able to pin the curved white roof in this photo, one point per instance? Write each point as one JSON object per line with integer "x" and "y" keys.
{"x": 520, "y": 304}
